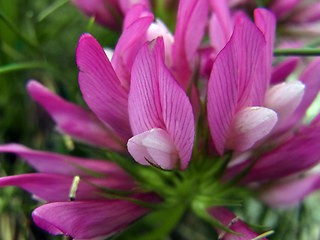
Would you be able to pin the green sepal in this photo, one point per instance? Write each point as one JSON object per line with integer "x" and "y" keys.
{"x": 154, "y": 226}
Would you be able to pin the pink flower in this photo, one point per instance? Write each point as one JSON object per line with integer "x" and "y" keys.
{"x": 229, "y": 220}
{"x": 160, "y": 113}
{"x": 53, "y": 183}
{"x": 109, "y": 13}
{"x": 236, "y": 115}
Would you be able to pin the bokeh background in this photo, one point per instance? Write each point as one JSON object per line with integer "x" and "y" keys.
{"x": 38, "y": 41}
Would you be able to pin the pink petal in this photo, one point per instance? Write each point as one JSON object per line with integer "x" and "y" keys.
{"x": 105, "y": 14}
{"x": 282, "y": 70}
{"x": 72, "y": 119}
{"x": 266, "y": 22}
{"x": 127, "y": 5}
{"x": 52, "y": 187}
{"x": 283, "y": 7}
{"x": 284, "y": 98}
{"x": 131, "y": 40}
{"x": 230, "y": 89}
{"x": 249, "y": 126}
{"x": 310, "y": 77}
{"x": 157, "y": 101}
{"x": 290, "y": 192}
{"x": 154, "y": 146}
{"x": 88, "y": 219}
{"x": 190, "y": 28}
{"x": 158, "y": 29}
{"x": 228, "y": 219}
{"x": 100, "y": 86}
{"x": 61, "y": 164}
{"x": 295, "y": 155}
{"x": 216, "y": 34}
{"x": 221, "y": 24}
{"x": 134, "y": 13}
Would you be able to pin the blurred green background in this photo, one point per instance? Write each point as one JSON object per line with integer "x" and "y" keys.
{"x": 38, "y": 41}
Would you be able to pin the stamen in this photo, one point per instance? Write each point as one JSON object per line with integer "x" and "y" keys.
{"x": 74, "y": 188}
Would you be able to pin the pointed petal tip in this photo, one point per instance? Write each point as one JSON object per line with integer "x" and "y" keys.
{"x": 44, "y": 224}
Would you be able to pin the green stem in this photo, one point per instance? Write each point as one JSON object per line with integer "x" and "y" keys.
{"x": 22, "y": 66}
{"x": 297, "y": 52}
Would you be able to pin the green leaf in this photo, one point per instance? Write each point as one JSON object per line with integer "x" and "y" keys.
{"x": 51, "y": 9}
{"x": 23, "y": 66}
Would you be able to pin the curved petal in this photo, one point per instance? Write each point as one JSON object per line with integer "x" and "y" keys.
{"x": 221, "y": 24}
{"x": 72, "y": 119}
{"x": 157, "y": 101}
{"x": 191, "y": 23}
{"x": 88, "y": 219}
{"x": 136, "y": 12}
{"x": 249, "y": 126}
{"x": 228, "y": 219}
{"x": 298, "y": 153}
{"x": 130, "y": 41}
{"x": 154, "y": 147}
{"x": 281, "y": 71}
{"x": 127, "y": 5}
{"x": 231, "y": 89}
{"x": 284, "y": 98}
{"x": 61, "y": 164}
{"x": 266, "y": 22}
{"x": 100, "y": 87}
{"x": 291, "y": 192}
{"x": 52, "y": 187}
{"x": 106, "y": 13}
{"x": 309, "y": 77}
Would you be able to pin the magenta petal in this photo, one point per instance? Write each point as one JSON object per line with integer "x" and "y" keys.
{"x": 290, "y": 192}
{"x": 154, "y": 147}
{"x": 61, "y": 164}
{"x": 72, "y": 119}
{"x": 266, "y": 22}
{"x": 295, "y": 155}
{"x": 134, "y": 13}
{"x": 228, "y": 219}
{"x": 157, "y": 101}
{"x": 191, "y": 23}
{"x": 52, "y": 187}
{"x": 100, "y": 86}
{"x": 249, "y": 126}
{"x": 88, "y": 219}
{"x": 310, "y": 77}
{"x": 221, "y": 24}
{"x": 127, "y": 5}
{"x": 281, "y": 71}
{"x": 130, "y": 41}
{"x": 231, "y": 89}
{"x": 102, "y": 12}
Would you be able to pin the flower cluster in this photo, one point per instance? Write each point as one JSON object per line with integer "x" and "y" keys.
{"x": 186, "y": 121}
